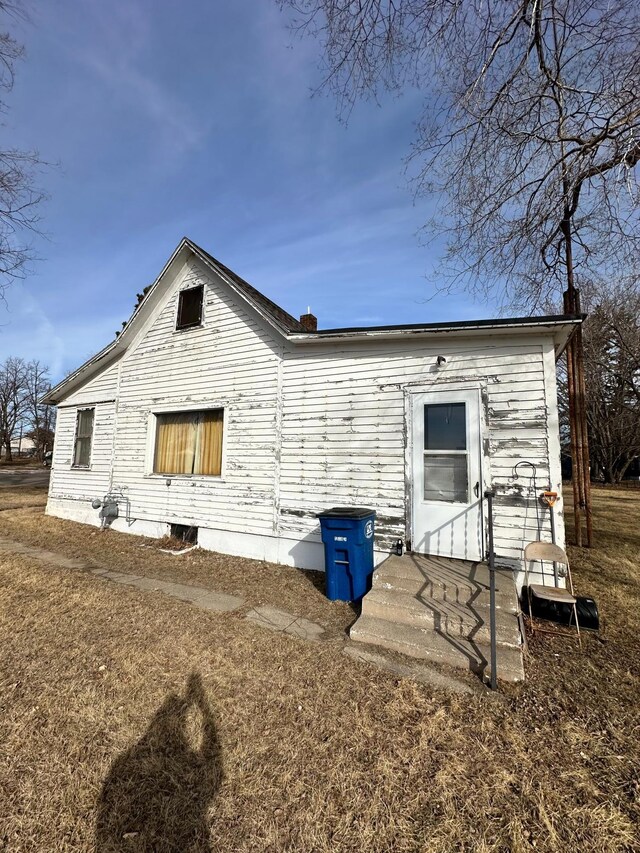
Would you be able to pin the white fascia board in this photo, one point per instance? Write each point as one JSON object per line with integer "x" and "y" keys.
{"x": 81, "y": 374}
{"x": 560, "y": 331}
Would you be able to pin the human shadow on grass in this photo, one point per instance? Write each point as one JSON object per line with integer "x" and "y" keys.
{"x": 157, "y": 794}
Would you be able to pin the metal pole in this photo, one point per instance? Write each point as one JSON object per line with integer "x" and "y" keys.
{"x": 489, "y": 495}
{"x": 569, "y": 308}
{"x": 574, "y": 356}
{"x": 582, "y": 409}
{"x": 553, "y": 540}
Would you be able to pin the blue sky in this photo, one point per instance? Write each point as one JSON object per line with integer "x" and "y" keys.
{"x": 196, "y": 119}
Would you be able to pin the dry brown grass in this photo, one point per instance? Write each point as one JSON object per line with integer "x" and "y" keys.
{"x": 295, "y": 591}
{"x": 20, "y": 462}
{"x": 14, "y": 498}
{"x": 131, "y": 721}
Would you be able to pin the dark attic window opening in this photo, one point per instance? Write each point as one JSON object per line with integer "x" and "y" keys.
{"x": 185, "y": 533}
{"x": 190, "y": 307}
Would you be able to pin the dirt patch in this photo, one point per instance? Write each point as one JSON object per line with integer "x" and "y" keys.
{"x": 130, "y": 721}
{"x": 173, "y": 544}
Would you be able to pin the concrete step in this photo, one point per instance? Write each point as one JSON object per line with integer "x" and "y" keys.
{"x": 446, "y": 570}
{"x": 473, "y": 596}
{"x": 427, "y": 644}
{"x": 446, "y": 617}
{"x": 404, "y": 576}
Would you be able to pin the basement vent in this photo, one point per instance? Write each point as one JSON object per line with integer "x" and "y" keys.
{"x": 185, "y": 533}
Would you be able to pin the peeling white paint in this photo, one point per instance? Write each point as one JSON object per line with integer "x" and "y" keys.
{"x": 307, "y": 426}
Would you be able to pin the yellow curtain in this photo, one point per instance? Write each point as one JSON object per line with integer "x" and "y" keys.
{"x": 175, "y": 443}
{"x": 208, "y": 459}
{"x": 189, "y": 443}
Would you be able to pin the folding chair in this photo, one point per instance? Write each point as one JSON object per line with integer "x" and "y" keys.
{"x": 545, "y": 552}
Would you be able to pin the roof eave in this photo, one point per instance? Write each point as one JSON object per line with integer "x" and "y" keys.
{"x": 560, "y": 325}
{"x": 206, "y": 259}
{"x": 55, "y": 395}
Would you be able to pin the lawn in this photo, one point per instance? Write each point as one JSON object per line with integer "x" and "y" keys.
{"x": 134, "y": 722}
{"x": 262, "y": 583}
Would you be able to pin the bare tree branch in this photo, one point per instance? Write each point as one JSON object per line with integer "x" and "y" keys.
{"x": 20, "y": 196}
{"x": 530, "y": 134}
{"x": 612, "y": 364}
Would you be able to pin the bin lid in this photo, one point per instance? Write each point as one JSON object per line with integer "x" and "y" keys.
{"x": 346, "y": 512}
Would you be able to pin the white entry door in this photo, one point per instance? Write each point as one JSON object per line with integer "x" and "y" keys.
{"x": 446, "y": 475}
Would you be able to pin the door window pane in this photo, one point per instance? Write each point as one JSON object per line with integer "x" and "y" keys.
{"x": 446, "y": 478}
{"x": 445, "y": 426}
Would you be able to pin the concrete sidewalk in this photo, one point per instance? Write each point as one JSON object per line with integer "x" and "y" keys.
{"x": 200, "y": 596}
{"x": 262, "y": 616}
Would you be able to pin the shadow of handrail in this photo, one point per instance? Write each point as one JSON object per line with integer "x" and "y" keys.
{"x": 446, "y": 571}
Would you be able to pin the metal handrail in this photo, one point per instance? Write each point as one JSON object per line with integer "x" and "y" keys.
{"x": 490, "y": 495}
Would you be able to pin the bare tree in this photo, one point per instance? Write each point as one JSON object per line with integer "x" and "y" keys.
{"x": 530, "y": 131}
{"x": 12, "y": 400}
{"x": 19, "y": 170}
{"x": 38, "y": 418}
{"x": 612, "y": 361}
{"x": 530, "y": 137}
{"x": 22, "y": 386}
{"x": 612, "y": 400}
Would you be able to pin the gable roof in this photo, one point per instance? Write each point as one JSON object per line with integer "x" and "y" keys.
{"x": 280, "y": 320}
{"x": 286, "y": 325}
{"x": 274, "y": 312}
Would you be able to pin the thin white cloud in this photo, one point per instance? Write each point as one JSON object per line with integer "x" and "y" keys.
{"x": 178, "y": 128}
{"x": 27, "y": 332}
{"x": 112, "y": 41}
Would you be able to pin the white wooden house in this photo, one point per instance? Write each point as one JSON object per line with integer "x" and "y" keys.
{"x": 216, "y": 409}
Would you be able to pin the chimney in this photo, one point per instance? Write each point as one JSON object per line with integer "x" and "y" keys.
{"x": 309, "y": 322}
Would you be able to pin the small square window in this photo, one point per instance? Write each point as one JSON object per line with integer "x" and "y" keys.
{"x": 190, "y": 307}
{"x": 84, "y": 437}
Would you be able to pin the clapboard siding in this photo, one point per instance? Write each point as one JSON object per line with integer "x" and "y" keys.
{"x": 344, "y": 428}
{"x": 83, "y": 484}
{"x": 231, "y": 361}
{"x": 306, "y": 425}
{"x": 103, "y": 386}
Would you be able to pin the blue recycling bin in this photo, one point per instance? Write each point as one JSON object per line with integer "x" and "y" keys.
{"x": 347, "y": 534}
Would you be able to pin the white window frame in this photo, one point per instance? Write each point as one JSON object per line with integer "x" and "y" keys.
{"x": 74, "y": 465}
{"x": 152, "y": 427}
